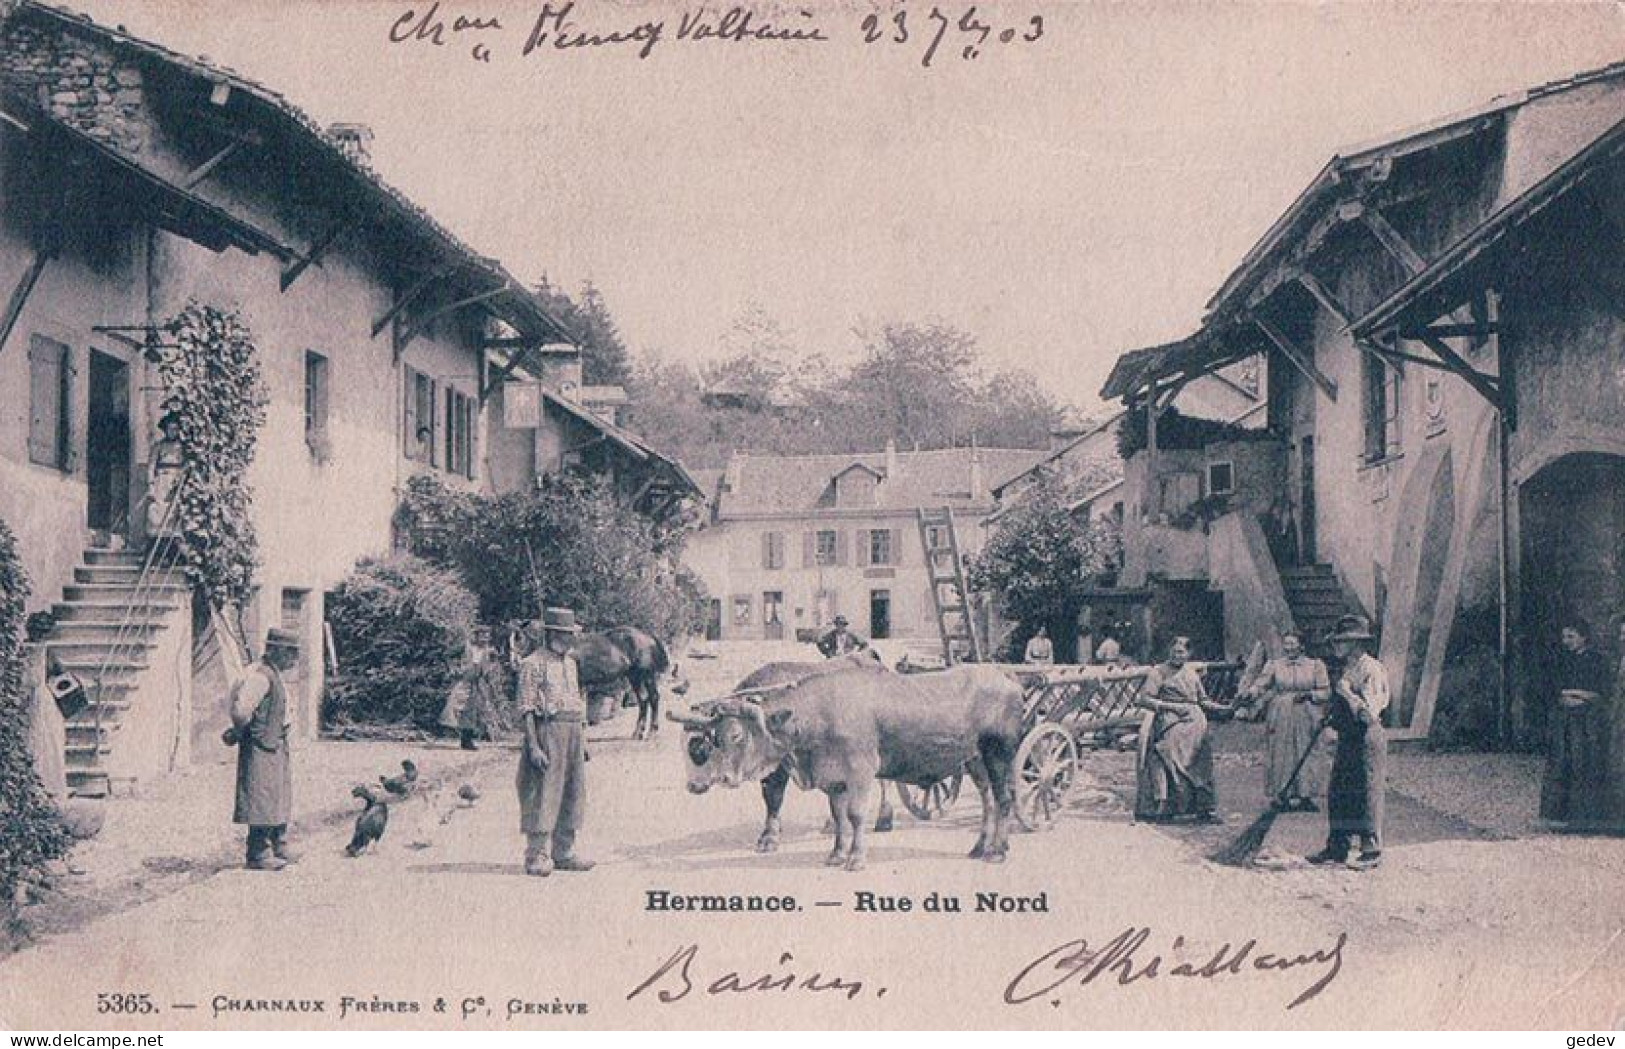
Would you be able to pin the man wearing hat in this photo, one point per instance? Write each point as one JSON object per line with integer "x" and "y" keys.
{"x": 838, "y": 641}
{"x": 552, "y": 769}
{"x": 259, "y": 729}
{"x": 1354, "y": 798}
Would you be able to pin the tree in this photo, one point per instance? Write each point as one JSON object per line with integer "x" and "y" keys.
{"x": 604, "y": 357}
{"x": 571, "y": 542}
{"x": 1042, "y": 560}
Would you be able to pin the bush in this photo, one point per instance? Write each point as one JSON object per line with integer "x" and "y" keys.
{"x": 571, "y": 542}
{"x": 31, "y": 830}
{"x": 400, "y": 626}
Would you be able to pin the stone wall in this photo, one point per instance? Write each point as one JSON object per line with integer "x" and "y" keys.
{"x": 84, "y": 85}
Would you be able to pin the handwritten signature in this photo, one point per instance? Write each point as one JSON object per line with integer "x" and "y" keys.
{"x": 1076, "y": 963}
{"x": 677, "y": 977}
{"x": 558, "y": 28}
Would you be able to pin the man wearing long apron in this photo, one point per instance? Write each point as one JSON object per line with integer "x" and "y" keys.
{"x": 552, "y": 769}
{"x": 1354, "y": 798}
{"x": 259, "y": 728}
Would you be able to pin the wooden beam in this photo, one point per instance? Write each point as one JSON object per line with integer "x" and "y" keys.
{"x": 1393, "y": 240}
{"x": 502, "y": 374}
{"x": 1324, "y": 296}
{"x": 1488, "y": 386}
{"x": 205, "y": 169}
{"x": 299, "y": 266}
{"x": 530, "y": 343}
{"x": 19, "y": 294}
{"x": 1387, "y": 355}
{"x": 1451, "y": 331}
{"x": 407, "y": 297}
{"x": 423, "y": 322}
{"x": 1336, "y": 217}
{"x": 1299, "y": 359}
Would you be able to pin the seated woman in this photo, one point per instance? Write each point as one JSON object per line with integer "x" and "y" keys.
{"x": 1174, "y": 776}
{"x": 1295, "y": 690}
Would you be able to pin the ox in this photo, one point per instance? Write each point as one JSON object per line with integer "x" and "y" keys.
{"x": 623, "y": 658}
{"x": 839, "y": 732}
{"x": 773, "y": 675}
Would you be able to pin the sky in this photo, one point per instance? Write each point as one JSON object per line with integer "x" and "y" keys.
{"x": 1065, "y": 199}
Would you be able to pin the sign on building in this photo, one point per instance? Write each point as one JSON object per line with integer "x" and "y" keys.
{"x": 521, "y": 405}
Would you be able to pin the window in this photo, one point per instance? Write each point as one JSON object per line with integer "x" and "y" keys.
{"x": 1221, "y": 478}
{"x": 1379, "y": 407}
{"x": 1177, "y": 491}
{"x": 936, "y": 537}
{"x": 772, "y": 608}
{"x": 742, "y": 605}
{"x": 772, "y": 550}
{"x": 418, "y": 434}
{"x": 50, "y": 402}
{"x": 293, "y": 611}
{"x": 827, "y": 547}
{"x": 880, "y": 546}
{"x": 316, "y": 393}
{"x": 459, "y": 433}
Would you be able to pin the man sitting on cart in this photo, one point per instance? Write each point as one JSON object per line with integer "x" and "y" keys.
{"x": 839, "y": 641}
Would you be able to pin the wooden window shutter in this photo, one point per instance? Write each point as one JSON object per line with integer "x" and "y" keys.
{"x": 840, "y": 547}
{"x": 809, "y": 551}
{"x": 767, "y": 549}
{"x": 47, "y": 382}
{"x": 896, "y": 546}
{"x": 472, "y": 407}
{"x": 863, "y": 547}
{"x": 409, "y": 415}
{"x": 434, "y": 423}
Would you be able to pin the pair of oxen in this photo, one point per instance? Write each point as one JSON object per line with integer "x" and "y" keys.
{"x": 841, "y": 725}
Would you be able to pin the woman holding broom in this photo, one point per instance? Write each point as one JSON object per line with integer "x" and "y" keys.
{"x": 1294, "y": 689}
{"x": 1354, "y": 799}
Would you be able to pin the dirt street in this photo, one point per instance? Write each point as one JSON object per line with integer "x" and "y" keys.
{"x": 1463, "y": 931}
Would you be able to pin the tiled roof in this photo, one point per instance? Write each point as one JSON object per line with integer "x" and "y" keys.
{"x": 517, "y": 305}
{"x": 800, "y": 484}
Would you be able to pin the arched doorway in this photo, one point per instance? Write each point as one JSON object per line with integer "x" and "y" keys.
{"x": 1572, "y": 524}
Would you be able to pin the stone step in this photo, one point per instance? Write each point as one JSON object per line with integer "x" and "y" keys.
{"x": 87, "y": 732}
{"x": 1315, "y": 585}
{"x": 118, "y": 593}
{"x": 88, "y": 656}
{"x": 86, "y": 755}
{"x": 120, "y": 675}
{"x": 89, "y": 783}
{"x": 105, "y": 611}
{"x": 126, "y": 574}
{"x": 94, "y": 556}
{"x": 107, "y": 631}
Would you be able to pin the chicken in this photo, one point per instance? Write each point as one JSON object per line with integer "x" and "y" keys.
{"x": 469, "y": 793}
{"x": 369, "y": 826}
{"x": 401, "y": 786}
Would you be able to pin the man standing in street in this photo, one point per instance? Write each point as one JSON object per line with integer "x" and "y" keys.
{"x": 259, "y": 729}
{"x": 552, "y": 769}
{"x": 839, "y": 641}
{"x": 1354, "y": 797}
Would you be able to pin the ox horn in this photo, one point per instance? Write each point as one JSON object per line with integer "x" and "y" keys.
{"x": 689, "y": 720}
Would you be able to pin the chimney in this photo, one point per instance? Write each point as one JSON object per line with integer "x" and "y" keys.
{"x": 976, "y": 489}
{"x": 736, "y": 464}
{"x": 353, "y": 140}
{"x": 891, "y": 458}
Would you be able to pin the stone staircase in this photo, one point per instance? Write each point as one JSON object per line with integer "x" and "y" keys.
{"x": 107, "y": 628}
{"x": 1316, "y": 598}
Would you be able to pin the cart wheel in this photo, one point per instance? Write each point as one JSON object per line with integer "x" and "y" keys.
{"x": 1046, "y": 765}
{"x": 930, "y": 802}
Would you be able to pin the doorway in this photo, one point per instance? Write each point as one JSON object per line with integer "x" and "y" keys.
{"x": 713, "y": 619}
{"x": 880, "y": 614}
{"x": 107, "y": 445}
{"x": 1306, "y": 500}
{"x": 773, "y": 615}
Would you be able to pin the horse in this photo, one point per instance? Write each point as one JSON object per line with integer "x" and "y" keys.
{"x": 623, "y": 658}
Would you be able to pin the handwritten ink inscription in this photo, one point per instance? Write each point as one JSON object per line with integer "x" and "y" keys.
{"x": 564, "y": 28}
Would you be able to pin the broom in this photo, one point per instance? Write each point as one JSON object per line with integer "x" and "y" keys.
{"x": 1242, "y": 851}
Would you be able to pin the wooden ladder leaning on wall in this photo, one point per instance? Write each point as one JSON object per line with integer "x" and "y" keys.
{"x": 945, "y": 567}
